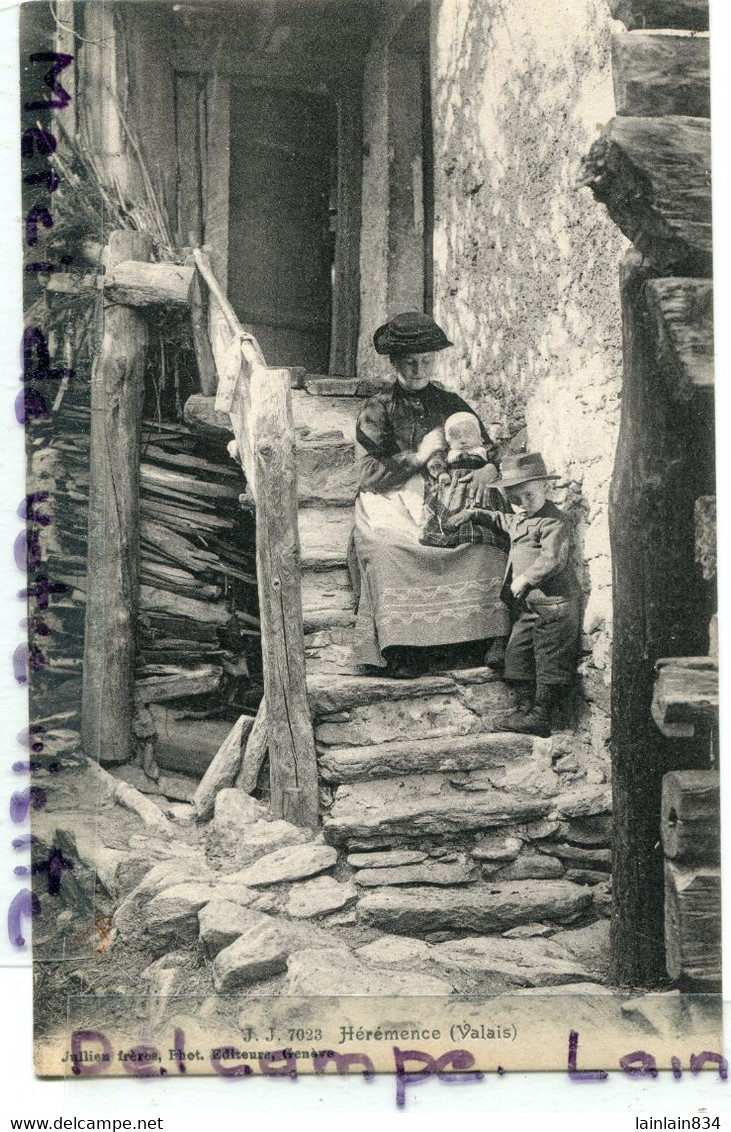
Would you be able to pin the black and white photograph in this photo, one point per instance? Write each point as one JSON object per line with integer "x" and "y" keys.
{"x": 370, "y": 536}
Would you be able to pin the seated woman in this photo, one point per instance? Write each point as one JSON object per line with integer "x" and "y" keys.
{"x": 413, "y": 597}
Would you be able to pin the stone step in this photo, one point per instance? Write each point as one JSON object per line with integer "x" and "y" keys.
{"x": 324, "y": 535}
{"x": 396, "y": 710}
{"x": 478, "y": 908}
{"x": 327, "y": 599}
{"x": 390, "y": 810}
{"x": 423, "y": 756}
{"x": 324, "y": 418}
{"x": 326, "y": 473}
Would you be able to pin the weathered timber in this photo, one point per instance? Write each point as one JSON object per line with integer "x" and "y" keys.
{"x": 176, "y": 580}
{"x": 683, "y": 315}
{"x": 654, "y": 176}
{"x": 170, "y": 682}
{"x": 690, "y": 821}
{"x": 188, "y": 140}
{"x": 660, "y": 607}
{"x": 687, "y": 14}
{"x": 184, "y": 744}
{"x": 113, "y": 546}
{"x": 176, "y": 459}
{"x": 178, "y": 548}
{"x": 657, "y": 74}
{"x": 685, "y": 695}
{"x": 188, "y": 486}
{"x": 201, "y": 341}
{"x": 705, "y": 535}
{"x": 422, "y": 756}
{"x": 693, "y": 925}
{"x": 155, "y": 600}
{"x": 292, "y": 760}
{"x": 255, "y": 750}
{"x": 201, "y": 415}
{"x": 149, "y": 284}
{"x": 224, "y": 767}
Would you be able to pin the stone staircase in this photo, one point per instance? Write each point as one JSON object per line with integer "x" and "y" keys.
{"x": 446, "y": 825}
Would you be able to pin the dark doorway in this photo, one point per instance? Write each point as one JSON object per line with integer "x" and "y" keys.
{"x": 283, "y": 178}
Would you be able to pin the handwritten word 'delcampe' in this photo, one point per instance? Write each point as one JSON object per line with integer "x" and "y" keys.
{"x": 91, "y": 1053}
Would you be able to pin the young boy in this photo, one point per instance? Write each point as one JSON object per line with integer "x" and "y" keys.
{"x": 542, "y": 590}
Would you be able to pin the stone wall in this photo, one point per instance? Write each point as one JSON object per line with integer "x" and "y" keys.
{"x": 526, "y": 264}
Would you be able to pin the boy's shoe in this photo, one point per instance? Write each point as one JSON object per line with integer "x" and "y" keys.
{"x": 525, "y": 723}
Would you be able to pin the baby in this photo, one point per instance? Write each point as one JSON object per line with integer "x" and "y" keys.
{"x": 446, "y": 492}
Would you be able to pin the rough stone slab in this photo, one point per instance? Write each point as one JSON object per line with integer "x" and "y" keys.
{"x": 590, "y": 945}
{"x": 587, "y": 990}
{"x": 129, "y": 916}
{"x": 291, "y": 863}
{"x": 388, "y": 859}
{"x": 393, "y": 950}
{"x": 222, "y": 921}
{"x": 330, "y": 696}
{"x": 324, "y": 418}
{"x": 485, "y": 908}
{"x": 259, "y": 952}
{"x": 327, "y": 598}
{"x": 422, "y": 804}
{"x": 458, "y": 711}
{"x": 174, "y": 911}
{"x": 250, "y": 842}
{"x": 511, "y": 963}
{"x": 530, "y": 773}
{"x": 430, "y": 872}
{"x": 315, "y": 971}
{"x": 592, "y": 832}
{"x": 529, "y": 931}
{"x": 233, "y": 811}
{"x": 319, "y": 896}
{"x": 424, "y": 756}
{"x": 497, "y": 847}
{"x": 584, "y": 801}
{"x": 326, "y": 474}
{"x": 540, "y": 830}
{"x": 585, "y": 876}
{"x": 531, "y": 865}
{"x": 324, "y": 535}
{"x": 576, "y": 855}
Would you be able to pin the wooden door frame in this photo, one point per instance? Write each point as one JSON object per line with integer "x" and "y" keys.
{"x": 215, "y": 165}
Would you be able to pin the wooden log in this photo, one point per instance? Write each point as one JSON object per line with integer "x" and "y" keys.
{"x": 224, "y": 767}
{"x": 178, "y": 549}
{"x": 189, "y": 486}
{"x": 184, "y": 744}
{"x": 170, "y": 682}
{"x": 654, "y": 176}
{"x": 293, "y": 764}
{"x": 682, "y": 311}
{"x": 254, "y": 752}
{"x": 201, "y": 415}
{"x": 113, "y": 548}
{"x": 156, "y": 455}
{"x": 155, "y": 600}
{"x": 691, "y": 15}
{"x": 201, "y": 342}
{"x": 149, "y": 284}
{"x": 693, "y": 925}
{"x": 660, "y": 604}
{"x": 690, "y": 816}
{"x": 656, "y": 74}
{"x": 685, "y": 695}
{"x": 176, "y": 580}
{"x": 705, "y": 535}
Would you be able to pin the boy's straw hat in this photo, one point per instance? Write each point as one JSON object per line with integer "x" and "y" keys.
{"x": 518, "y": 469}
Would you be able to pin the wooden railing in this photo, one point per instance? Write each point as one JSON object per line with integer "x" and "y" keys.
{"x": 258, "y": 401}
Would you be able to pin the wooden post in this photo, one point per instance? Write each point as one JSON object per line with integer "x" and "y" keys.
{"x": 113, "y": 563}
{"x": 293, "y": 763}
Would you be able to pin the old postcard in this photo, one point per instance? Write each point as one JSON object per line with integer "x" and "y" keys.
{"x": 370, "y": 537}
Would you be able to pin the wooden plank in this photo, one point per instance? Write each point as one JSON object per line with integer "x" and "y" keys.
{"x": 170, "y": 682}
{"x": 685, "y": 695}
{"x": 255, "y": 751}
{"x": 654, "y": 176}
{"x": 201, "y": 342}
{"x": 690, "y": 816}
{"x": 293, "y": 764}
{"x": 189, "y": 202}
{"x": 705, "y": 535}
{"x": 346, "y": 282}
{"x": 184, "y": 744}
{"x": 113, "y": 539}
{"x": 201, "y": 415}
{"x": 693, "y": 925}
{"x": 658, "y": 73}
{"x": 682, "y": 311}
{"x": 150, "y": 284}
{"x": 154, "y": 600}
{"x": 689, "y": 14}
{"x": 224, "y": 767}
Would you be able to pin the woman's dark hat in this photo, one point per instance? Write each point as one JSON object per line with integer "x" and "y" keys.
{"x": 521, "y": 468}
{"x": 410, "y": 333}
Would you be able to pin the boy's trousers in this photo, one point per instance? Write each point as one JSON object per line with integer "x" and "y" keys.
{"x": 544, "y": 641}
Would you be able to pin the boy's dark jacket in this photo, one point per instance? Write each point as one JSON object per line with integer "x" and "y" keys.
{"x": 540, "y": 546}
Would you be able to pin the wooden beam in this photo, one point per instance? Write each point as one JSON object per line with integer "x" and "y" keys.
{"x": 113, "y": 539}
{"x": 654, "y": 176}
{"x": 682, "y": 310}
{"x": 255, "y": 751}
{"x": 690, "y": 816}
{"x": 693, "y": 924}
{"x": 691, "y": 15}
{"x": 189, "y": 153}
{"x": 201, "y": 415}
{"x": 346, "y": 286}
{"x": 685, "y": 695}
{"x": 150, "y": 284}
{"x": 705, "y": 535}
{"x": 224, "y": 767}
{"x": 659, "y": 73}
{"x": 292, "y": 759}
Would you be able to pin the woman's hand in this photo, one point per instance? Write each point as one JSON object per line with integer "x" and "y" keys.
{"x": 480, "y": 482}
{"x": 432, "y": 442}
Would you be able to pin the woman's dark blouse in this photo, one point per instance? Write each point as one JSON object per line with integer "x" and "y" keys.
{"x": 392, "y": 425}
